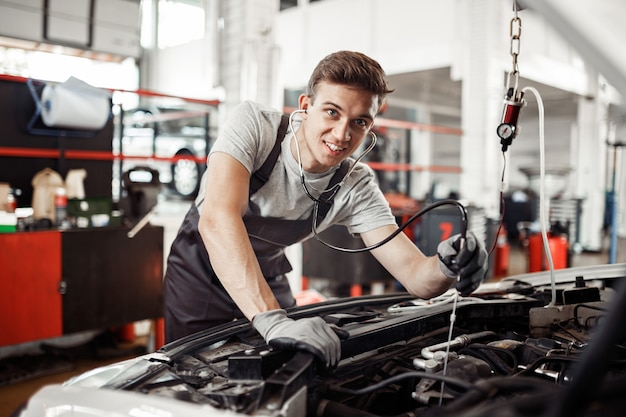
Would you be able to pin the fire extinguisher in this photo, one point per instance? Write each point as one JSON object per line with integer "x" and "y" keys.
{"x": 558, "y": 244}
{"x": 502, "y": 254}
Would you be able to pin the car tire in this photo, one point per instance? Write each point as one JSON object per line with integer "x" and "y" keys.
{"x": 185, "y": 175}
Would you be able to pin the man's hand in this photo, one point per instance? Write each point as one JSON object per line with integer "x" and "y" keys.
{"x": 468, "y": 263}
{"x": 312, "y": 335}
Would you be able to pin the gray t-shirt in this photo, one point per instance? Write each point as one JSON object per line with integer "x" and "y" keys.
{"x": 250, "y": 134}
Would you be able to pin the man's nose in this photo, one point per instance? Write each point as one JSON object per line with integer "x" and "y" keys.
{"x": 342, "y": 131}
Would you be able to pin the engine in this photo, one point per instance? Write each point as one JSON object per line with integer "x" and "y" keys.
{"x": 510, "y": 354}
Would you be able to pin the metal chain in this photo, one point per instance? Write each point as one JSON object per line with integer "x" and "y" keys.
{"x": 515, "y": 33}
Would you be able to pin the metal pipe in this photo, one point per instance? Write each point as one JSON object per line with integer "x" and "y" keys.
{"x": 458, "y": 342}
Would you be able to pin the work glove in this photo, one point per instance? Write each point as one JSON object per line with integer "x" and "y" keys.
{"x": 312, "y": 335}
{"x": 468, "y": 265}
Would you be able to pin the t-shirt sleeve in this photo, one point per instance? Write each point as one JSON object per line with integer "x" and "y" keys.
{"x": 240, "y": 136}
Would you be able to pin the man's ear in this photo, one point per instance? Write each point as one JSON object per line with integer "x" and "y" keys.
{"x": 303, "y": 102}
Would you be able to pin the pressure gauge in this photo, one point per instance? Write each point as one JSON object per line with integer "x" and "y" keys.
{"x": 506, "y": 131}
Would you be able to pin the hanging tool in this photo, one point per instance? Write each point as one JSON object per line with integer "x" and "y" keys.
{"x": 514, "y": 99}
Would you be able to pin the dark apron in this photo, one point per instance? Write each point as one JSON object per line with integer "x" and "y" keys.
{"x": 194, "y": 297}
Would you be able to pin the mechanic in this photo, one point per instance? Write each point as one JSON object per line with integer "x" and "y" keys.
{"x": 261, "y": 194}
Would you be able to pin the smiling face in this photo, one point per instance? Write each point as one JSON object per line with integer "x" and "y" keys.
{"x": 336, "y": 121}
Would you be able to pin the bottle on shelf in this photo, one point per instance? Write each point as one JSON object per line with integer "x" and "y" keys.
{"x": 60, "y": 208}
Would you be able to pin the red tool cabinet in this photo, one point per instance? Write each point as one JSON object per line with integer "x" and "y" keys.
{"x": 54, "y": 283}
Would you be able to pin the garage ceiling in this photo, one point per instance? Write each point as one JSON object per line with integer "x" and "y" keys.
{"x": 596, "y": 29}
{"x": 443, "y": 95}
{"x": 431, "y": 86}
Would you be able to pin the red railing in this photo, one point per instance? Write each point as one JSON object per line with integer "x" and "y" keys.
{"x": 103, "y": 155}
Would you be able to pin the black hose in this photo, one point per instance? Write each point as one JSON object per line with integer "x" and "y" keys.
{"x": 529, "y": 397}
{"x": 334, "y": 409}
{"x": 492, "y": 356}
{"x": 417, "y": 215}
{"x": 414, "y": 374}
{"x": 327, "y": 408}
{"x": 493, "y": 387}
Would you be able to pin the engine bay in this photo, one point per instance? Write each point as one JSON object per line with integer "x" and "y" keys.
{"x": 511, "y": 352}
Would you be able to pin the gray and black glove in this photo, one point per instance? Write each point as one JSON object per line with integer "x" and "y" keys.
{"x": 312, "y": 335}
{"x": 468, "y": 264}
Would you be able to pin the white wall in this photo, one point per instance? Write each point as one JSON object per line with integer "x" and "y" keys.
{"x": 403, "y": 35}
{"x": 414, "y": 35}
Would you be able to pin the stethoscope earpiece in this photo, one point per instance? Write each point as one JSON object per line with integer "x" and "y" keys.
{"x": 338, "y": 185}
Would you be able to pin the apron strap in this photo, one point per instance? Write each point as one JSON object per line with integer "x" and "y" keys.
{"x": 260, "y": 176}
{"x": 326, "y": 199}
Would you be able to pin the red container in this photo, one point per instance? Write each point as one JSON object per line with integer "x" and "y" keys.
{"x": 537, "y": 260}
{"x": 501, "y": 264}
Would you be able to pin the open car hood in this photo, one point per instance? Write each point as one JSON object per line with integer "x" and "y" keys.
{"x": 509, "y": 341}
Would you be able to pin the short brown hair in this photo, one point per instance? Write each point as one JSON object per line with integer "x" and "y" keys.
{"x": 350, "y": 68}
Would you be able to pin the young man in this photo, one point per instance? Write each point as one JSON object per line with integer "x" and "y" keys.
{"x": 227, "y": 261}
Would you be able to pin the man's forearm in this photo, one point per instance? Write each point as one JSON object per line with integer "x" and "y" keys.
{"x": 428, "y": 281}
{"x": 237, "y": 267}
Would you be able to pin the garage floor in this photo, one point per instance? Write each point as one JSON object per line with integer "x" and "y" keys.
{"x": 14, "y": 395}
{"x": 170, "y": 215}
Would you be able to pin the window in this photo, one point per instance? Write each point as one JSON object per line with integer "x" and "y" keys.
{"x": 286, "y": 4}
{"x": 180, "y": 21}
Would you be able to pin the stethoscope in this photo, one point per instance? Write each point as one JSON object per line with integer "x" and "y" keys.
{"x": 335, "y": 188}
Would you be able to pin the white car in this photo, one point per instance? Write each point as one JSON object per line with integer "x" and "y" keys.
{"x": 172, "y": 141}
{"x": 509, "y": 352}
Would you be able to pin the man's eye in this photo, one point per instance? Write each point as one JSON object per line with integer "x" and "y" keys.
{"x": 331, "y": 112}
{"x": 361, "y": 122}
